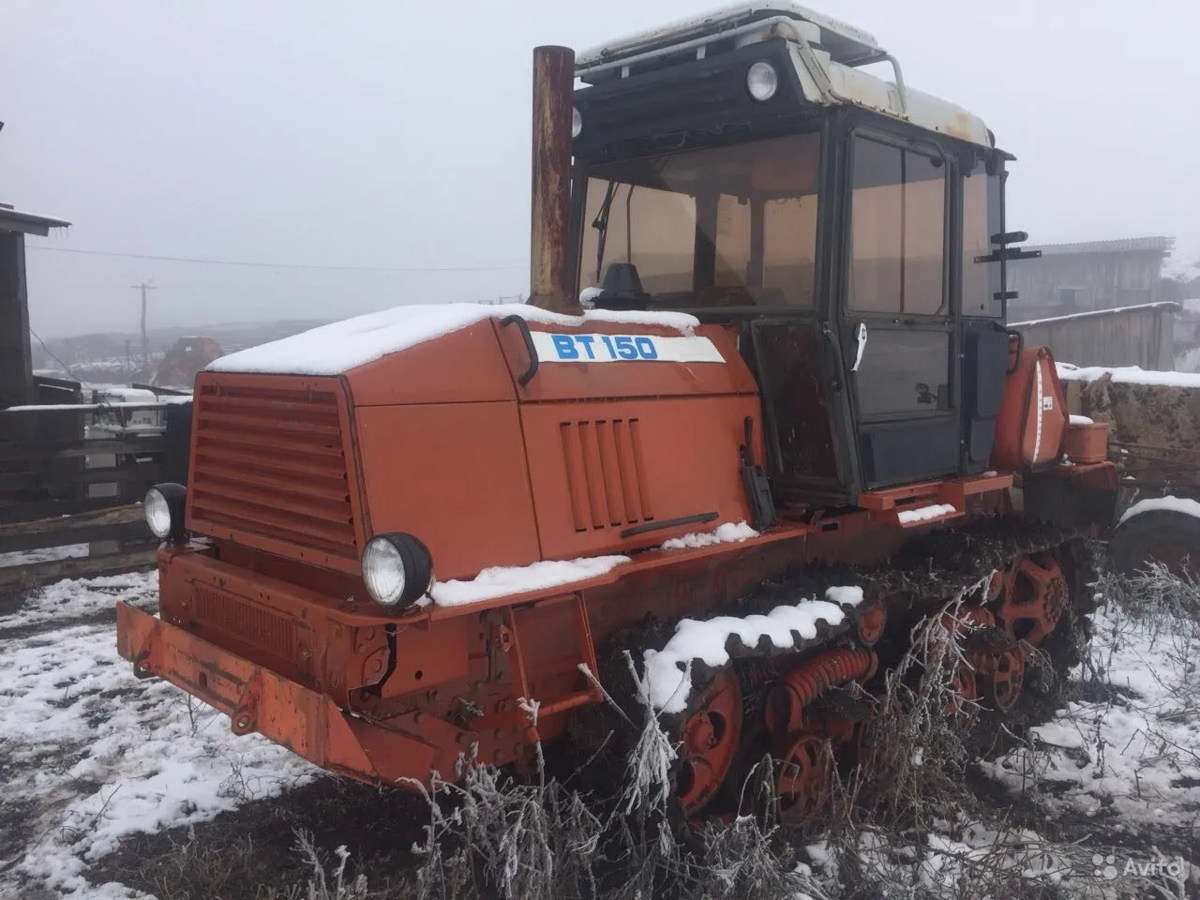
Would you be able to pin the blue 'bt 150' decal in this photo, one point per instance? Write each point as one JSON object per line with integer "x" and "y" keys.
{"x": 586, "y": 346}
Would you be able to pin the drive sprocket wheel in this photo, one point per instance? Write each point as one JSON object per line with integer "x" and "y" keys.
{"x": 1034, "y": 597}
{"x": 710, "y": 737}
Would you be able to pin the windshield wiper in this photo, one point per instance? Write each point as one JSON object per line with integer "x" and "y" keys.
{"x": 601, "y": 225}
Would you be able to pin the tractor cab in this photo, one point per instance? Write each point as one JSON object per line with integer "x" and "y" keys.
{"x": 757, "y": 168}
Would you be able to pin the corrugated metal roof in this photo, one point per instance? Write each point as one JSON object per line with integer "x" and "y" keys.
{"x": 1157, "y": 244}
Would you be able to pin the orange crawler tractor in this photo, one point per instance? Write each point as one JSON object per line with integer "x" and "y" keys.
{"x": 765, "y": 355}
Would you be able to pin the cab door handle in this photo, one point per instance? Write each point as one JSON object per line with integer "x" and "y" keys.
{"x": 860, "y": 340}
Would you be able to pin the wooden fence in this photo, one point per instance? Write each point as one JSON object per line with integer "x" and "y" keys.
{"x": 1127, "y": 336}
{"x": 72, "y": 475}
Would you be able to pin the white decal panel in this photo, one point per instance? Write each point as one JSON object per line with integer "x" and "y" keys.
{"x": 588, "y": 348}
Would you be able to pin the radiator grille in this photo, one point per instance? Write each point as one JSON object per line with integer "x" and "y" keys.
{"x": 270, "y": 461}
{"x": 605, "y": 473}
{"x": 244, "y": 621}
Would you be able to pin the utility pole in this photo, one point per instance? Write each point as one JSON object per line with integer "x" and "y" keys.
{"x": 143, "y": 287}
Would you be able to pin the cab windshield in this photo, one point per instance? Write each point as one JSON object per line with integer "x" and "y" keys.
{"x": 724, "y": 227}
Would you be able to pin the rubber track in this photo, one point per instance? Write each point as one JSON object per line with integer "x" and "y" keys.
{"x": 936, "y": 569}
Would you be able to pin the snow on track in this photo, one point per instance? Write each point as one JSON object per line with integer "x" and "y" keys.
{"x": 90, "y": 754}
{"x": 668, "y": 679}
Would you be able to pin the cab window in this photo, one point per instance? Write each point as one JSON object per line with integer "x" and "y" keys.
{"x": 897, "y": 241}
{"x": 727, "y": 226}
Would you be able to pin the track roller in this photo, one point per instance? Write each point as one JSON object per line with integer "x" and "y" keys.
{"x": 805, "y": 770}
{"x": 870, "y": 621}
{"x": 1002, "y": 677}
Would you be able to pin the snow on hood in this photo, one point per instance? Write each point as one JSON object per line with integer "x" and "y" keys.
{"x": 340, "y": 346}
{"x": 1129, "y": 375}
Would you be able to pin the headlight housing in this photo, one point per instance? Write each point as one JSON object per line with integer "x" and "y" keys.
{"x": 762, "y": 81}
{"x": 164, "y": 508}
{"x": 397, "y": 570}
{"x": 576, "y": 123}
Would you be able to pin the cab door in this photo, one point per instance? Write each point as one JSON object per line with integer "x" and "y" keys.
{"x": 898, "y": 327}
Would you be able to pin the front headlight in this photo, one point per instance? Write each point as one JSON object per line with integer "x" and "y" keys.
{"x": 576, "y": 123}
{"x": 397, "y": 570}
{"x": 164, "y": 508}
{"x": 762, "y": 81}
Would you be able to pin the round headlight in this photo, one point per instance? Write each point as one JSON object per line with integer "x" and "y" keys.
{"x": 397, "y": 570}
{"x": 762, "y": 81}
{"x": 576, "y": 123}
{"x": 164, "y": 508}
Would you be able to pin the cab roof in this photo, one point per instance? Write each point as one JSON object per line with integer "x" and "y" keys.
{"x": 846, "y": 44}
{"x": 828, "y": 53}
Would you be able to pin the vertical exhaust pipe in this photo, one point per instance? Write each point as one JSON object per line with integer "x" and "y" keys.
{"x": 550, "y": 284}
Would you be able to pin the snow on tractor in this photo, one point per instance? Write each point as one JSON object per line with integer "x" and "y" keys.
{"x": 786, "y": 425}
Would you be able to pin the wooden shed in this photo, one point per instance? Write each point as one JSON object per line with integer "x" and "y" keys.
{"x": 1084, "y": 277}
{"x": 16, "y": 363}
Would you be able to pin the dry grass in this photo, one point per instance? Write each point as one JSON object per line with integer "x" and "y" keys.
{"x": 903, "y": 822}
{"x": 884, "y": 830}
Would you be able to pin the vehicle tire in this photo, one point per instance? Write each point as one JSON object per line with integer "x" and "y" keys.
{"x": 1157, "y": 535}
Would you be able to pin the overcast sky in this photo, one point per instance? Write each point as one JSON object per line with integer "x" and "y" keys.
{"x": 396, "y": 134}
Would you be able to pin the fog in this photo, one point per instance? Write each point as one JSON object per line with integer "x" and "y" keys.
{"x": 360, "y": 155}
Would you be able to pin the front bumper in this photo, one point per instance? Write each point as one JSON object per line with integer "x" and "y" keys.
{"x": 257, "y": 699}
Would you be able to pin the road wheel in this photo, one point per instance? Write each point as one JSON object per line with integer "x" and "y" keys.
{"x": 709, "y": 742}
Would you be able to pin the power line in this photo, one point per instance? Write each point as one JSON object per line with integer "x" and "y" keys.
{"x": 273, "y": 265}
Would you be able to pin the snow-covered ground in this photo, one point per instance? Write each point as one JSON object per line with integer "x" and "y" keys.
{"x": 1129, "y": 753}
{"x": 89, "y": 755}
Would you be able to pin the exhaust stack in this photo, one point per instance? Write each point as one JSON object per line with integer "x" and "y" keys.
{"x": 550, "y": 284}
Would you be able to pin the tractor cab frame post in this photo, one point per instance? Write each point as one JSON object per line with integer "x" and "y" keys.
{"x": 550, "y": 282}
